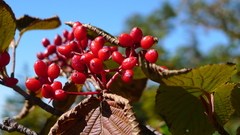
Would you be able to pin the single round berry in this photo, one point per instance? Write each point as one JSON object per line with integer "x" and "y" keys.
{"x": 59, "y": 94}
{"x": 56, "y": 85}
{"x": 33, "y": 84}
{"x": 65, "y": 33}
{"x": 47, "y": 91}
{"x": 147, "y": 42}
{"x": 151, "y": 55}
{"x": 53, "y": 71}
{"x": 70, "y": 36}
{"x": 51, "y": 49}
{"x": 77, "y": 64}
{"x": 11, "y": 81}
{"x": 117, "y": 57}
{"x": 45, "y": 42}
{"x": 57, "y": 40}
{"x": 95, "y": 47}
{"x": 64, "y": 50}
{"x": 113, "y": 48}
{"x": 136, "y": 33}
{"x": 129, "y": 63}
{"x": 86, "y": 57}
{"x": 40, "y": 68}
{"x": 80, "y": 33}
{"x": 75, "y": 25}
{"x": 96, "y": 65}
{"x": 4, "y": 59}
{"x": 127, "y": 76}
{"x": 83, "y": 43}
{"x": 40, "y": 55}
{"x": 101, "y": 40}
{"x": 125, "y": 40}
{"x": 104, "y": 53}
{"x": 78, "y": 78}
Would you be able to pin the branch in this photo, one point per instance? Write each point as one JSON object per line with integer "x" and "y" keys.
{"x": 37, "y": 101}
{"x": 11, "y": 126}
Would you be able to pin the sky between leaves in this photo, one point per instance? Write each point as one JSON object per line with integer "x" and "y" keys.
{"x": 108, "y": 15}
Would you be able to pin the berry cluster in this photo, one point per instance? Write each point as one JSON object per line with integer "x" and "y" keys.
{"x": 81, "y": 58}
{"x": 4, "y": 61}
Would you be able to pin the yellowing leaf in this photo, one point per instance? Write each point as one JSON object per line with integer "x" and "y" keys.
{"x": 26, "y": 23}
{"x": 7, "y": 26}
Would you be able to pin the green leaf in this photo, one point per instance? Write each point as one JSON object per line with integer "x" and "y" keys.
{"x": 26, "y": 23}
{"x": 179, "y": 98}
{"x": 7, "y": 26}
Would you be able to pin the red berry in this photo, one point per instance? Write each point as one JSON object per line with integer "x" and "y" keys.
{"x": 151, "y": 55}
{"x": 84, "y": 43}
{"x": 45, "y": 80}
{"x": 53, "y": 71}
{"x": 33, "y": 84}
{"x": 70, "y": 36}
{"x": 86, "y": 57}
{"x": 64, "y": 50}
{"x": 4, "y": 59}
{"x": 40, "y": 55}
{"x": 56, "y": 85}
{"x": 51, "y": 49}
{"x": 78, "y": 78}
{"x": 96, "y": 65}
{"x": 147, "y": 42}
{"x": 101, "y": 40}
{"x": 57, "y": 40}
{"x": 47, "y": 91}
{"x": 136, "y": 33}
{"x": 75, "y": 25}
{"x": 59, "y": 94}
{"x": 113, "y": 48}
{"x": 45, "y": 42}
{"x": 77, "y": 64}
{"x": 11, "y": 81}
{"x": 129, "y": 63}
{"x": 127, "y": 76}
{"x": 125, "y": 40}
{"x": 117, "y": 57}
{"x": 104, "y": 53}
{"x": 40, "y": 68}
{"x": 80, "y": 33}
{"x": 65, "y": 33}
{"x": 95, "y": 47}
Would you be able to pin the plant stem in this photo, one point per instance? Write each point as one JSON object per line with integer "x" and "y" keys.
{"x": 112, "y": 79}
{"x": 83, "y": 93}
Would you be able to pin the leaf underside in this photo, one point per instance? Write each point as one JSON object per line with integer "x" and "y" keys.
{"x": 112, "y": 115}
{"x": 26, "y": 23}
{"x": 7, "y": 26}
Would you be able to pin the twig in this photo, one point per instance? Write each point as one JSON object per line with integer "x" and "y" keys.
{"x": 37, "y": 101}
{"x": 14, "y": 46}
{"x": 11, "y": 126}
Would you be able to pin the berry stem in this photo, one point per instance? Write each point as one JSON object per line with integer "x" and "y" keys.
{"x": 82, "y": 93}
{"x": 104, "y": 78}
{"x": 111, "y": 70}
{"x": 112, "y": 79}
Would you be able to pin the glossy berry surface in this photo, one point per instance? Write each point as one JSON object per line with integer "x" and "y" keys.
{"x": 64, "y": 50}
{"x": 117, "y": 57}
{"x": 4, "y": 59}
{"x": 101, "y": 40}
{"x": 127, "y": 76}
{"x": 96, "y": 65}
{"x": 47, "y": 91}
{"x": 129, "y": 63}
{"x": 57, "y": 40}
{"x": 77, "y": 64}
{"x": 40, "y": 68}
{"x": 136, "y": 33}
{"x": 45, "y": 42}
{"x": 56, "y": 85}
{"x": 95, "y": 47}
{"x": 59, "y": 94}
{"x": 53, "y": 71}
{"x": 86, "y": 57}
{"x": 33, "y": 84}
{"x": 125, "y": 40}
{"x": 80, "y": 33}
{"x": 78, "y": 78}
{"x": 11, "y": 81}
{"x": 151, "y": 55}
{"x": 70, "y": 36}
{"x": 40, "y": 55}
{"x": 147, "y": 42}
{"x": 75, "y": 25}
{"x": 104, "y": 53}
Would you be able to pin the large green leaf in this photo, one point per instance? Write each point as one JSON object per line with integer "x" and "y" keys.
{"x": 7, "y": 26}
{"x": 26, "y": 23}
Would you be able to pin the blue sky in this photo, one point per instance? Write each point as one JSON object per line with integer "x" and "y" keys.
{"x": 108, "y": 15}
